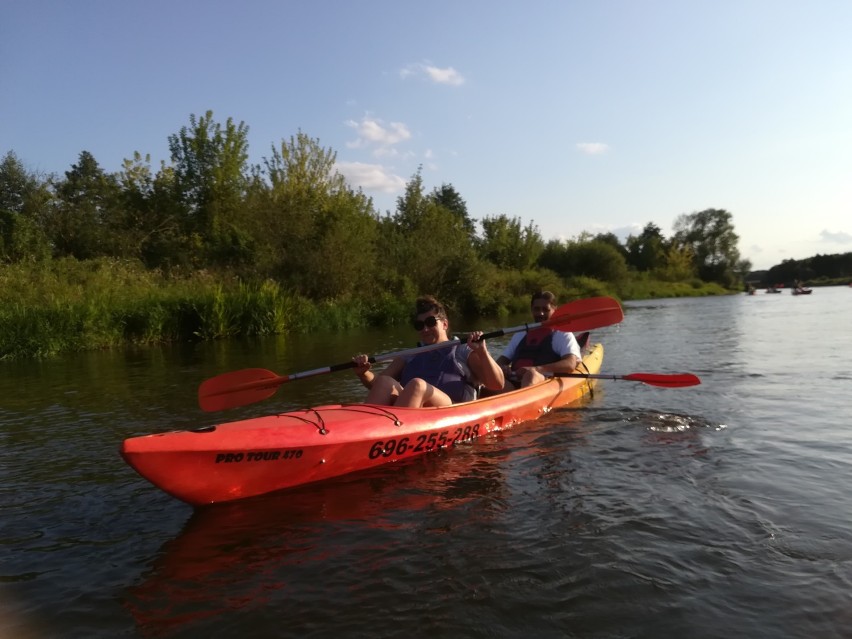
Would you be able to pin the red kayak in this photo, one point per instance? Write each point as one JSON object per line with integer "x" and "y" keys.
{"x": 255, "y": 456}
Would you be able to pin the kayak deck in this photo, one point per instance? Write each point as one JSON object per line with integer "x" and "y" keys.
{"x": 254, "y": 456}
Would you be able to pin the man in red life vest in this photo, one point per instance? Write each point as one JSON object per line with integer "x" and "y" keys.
{"x": 530, "y": 355}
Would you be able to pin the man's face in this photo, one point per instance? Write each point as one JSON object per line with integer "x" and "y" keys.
{"x": 541, "y": 310}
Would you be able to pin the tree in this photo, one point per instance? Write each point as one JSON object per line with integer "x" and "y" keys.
{"x": 710, "y": 235}
{"x": 509, "y": 246}
{"x": 583, "y": 257}
{"x": 86, "y": 200}
{"x": 151, "y": 228}
{"x": 612, "y": 240}
{"x": 428, "y": 245}
{"x": 447, "y": 197}
{"x": 311, "y": 230}
{"x": 210, "y": 179}
{"x": 677, "y": 264}
{"x": 647, "y": 251}
{"x": 24, "y": 199}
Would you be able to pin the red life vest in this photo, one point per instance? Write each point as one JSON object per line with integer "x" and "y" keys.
{"x": 535, "y": 348}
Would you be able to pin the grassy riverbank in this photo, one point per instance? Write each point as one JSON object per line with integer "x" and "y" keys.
{"x": 69, "y": 305}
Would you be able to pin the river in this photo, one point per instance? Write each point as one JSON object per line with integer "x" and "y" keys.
{"x": 721, "y": 510}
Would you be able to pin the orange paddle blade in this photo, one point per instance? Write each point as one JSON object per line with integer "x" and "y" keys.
{"x": 587, "y": 314}
{"x": 238, "y": 388}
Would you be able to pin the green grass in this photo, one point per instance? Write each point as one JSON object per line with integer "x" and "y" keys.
{"x": 68, "y": 305}
{"x": 71, "y": 306}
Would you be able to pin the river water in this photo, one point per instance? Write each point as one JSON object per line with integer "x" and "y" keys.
{"x": 721, "y": 510}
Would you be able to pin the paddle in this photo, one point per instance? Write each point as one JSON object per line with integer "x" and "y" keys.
{"x": 653, "y": 379}
{"x": 250, "y": 385}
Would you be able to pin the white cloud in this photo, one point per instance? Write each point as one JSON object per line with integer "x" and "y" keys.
{"x": 374, "y": 132}
{"x": 623, "y": 232}
{"x": 370, "y": 177}
{"x": 593, "y": 148}
{"x": 840, "y": 237}
{"x": 444, "y": 76}
{"x": 437, "y": 75}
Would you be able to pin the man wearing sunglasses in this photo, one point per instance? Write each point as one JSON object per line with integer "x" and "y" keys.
{"x": 530, "y": 355}
{"x": 435, "y": 378}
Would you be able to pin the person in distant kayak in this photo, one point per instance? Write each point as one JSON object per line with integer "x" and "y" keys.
{"x": 530, "y": 355}
{"x": 435, "y": 378}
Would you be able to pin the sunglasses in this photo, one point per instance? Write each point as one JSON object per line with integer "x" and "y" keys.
{"x": 429, "y": 322}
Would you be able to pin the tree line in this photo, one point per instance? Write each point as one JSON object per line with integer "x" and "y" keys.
{"x": 294, "y": 219}
{"x": 818, "y": 269}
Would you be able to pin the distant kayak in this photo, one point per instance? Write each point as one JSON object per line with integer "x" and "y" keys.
{"x": 802, "y": 291}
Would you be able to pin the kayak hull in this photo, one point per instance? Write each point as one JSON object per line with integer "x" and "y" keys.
{"x": 251, "y": 457}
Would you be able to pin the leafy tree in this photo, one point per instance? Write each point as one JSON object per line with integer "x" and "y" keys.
{"x": 429, "y": 246}
{"x": 677, "y": 264}
{"x": 447, "y": 197}
{"x": 311, "y": 230}
{"x": 742, "y": 269}
{"x": 508, "y": 245}
{"x": 411, "y": 205}
{"x": 589, "y": 258}
{"x": 613, "y": 241}
{"x": 86, "y": 200}
{"x": 710, "y": 235}
{"x": 647, "y": 251}
{"x": 24, "y": 199}
{"x": 151, "y": 214}
{"x": 786, "y": 271}
{"x": 825, "y": 267}
{"x": 210, "y": 179}
{"x": 600, "y": 260}
{"x": 831, "y": 266}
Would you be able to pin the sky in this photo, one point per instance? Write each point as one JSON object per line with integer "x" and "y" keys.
{"x": 575, "y": 116}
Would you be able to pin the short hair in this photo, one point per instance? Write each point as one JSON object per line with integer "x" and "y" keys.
{"x": 547, "y": 296}
{"x": 428, "y": 304}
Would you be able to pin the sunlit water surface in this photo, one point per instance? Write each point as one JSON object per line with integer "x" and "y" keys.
{"x": 721, "y": 510}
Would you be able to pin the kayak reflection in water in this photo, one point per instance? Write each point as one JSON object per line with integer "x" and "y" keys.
{"x": 435, "y": 378}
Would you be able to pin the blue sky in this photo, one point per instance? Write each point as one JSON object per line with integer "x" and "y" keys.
{"x": 576, "y": 116}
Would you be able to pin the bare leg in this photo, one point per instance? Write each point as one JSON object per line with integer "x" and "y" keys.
{"x": 418, "y": 393}
{"x": 384, "y": 391}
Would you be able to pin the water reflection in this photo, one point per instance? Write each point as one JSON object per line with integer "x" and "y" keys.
{"x": 234, "y": 555}
{"x": 726, "y": 502}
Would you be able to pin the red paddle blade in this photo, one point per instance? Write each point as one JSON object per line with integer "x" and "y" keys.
{"x": 666, "y": 381}
{"x": 238, "y": 388}
{"x": 587, "y": 314}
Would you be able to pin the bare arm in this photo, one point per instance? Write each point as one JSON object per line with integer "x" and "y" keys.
{"x": 565, "y": 365}
{"x": 366, "y": 375}
{"x": 483, "y": 365}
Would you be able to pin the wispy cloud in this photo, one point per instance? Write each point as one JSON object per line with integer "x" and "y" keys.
{"x": 437, "y": 75}
{"x": 370, "y": 177}
{"x": 374, "y": 133}
{"x": 840, "y": 237}
{"x": 593, "y": 148}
